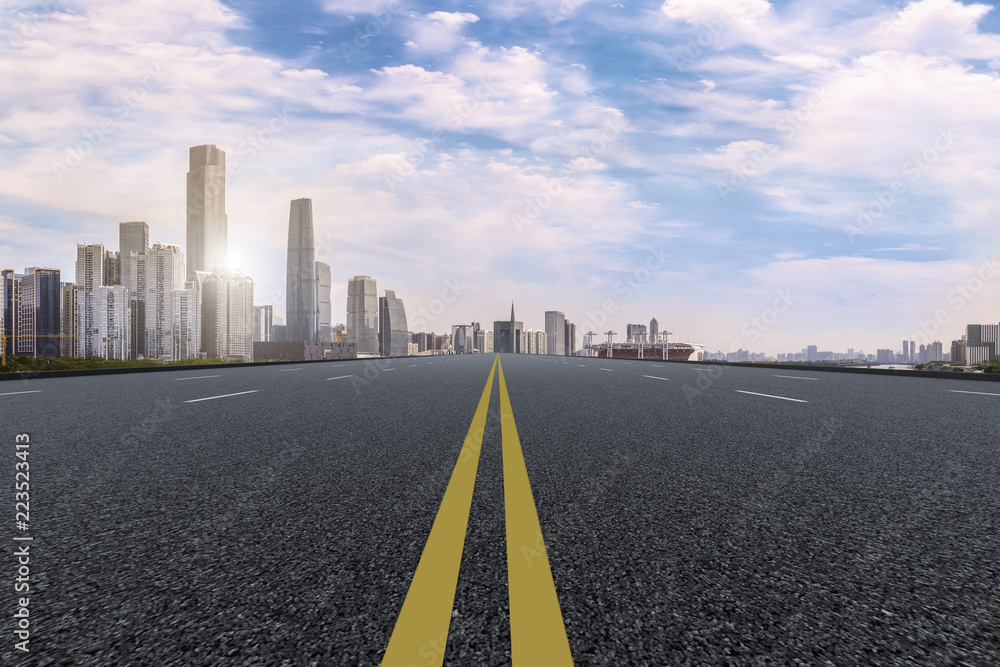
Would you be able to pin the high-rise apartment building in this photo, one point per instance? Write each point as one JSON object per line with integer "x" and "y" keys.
{"x": 186, "y": 314}
{"x": 301, "y": 302}
{"x": 207, "y": 223}
{"x": 555, "y": 332}
{"x": 67, "y": 314}
{"x": 112, "y": 268}
{"x": 227, "y": 314}
{"x": 89, "y": 278}
{"x": 362, "y": 314}
{"x": 393, "y": 337}
{"x": 112, "y": 323}
{"x": 324, "y": 307}
{"x": 164, "y": 274}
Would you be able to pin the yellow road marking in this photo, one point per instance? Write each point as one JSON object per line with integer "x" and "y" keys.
{"x": 537, "y": 632}
{"x": 421, "y": 631}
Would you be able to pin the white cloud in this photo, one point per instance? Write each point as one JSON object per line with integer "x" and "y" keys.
{"x": 439, "y": 31}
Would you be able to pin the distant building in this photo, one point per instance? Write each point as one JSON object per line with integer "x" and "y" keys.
{"x": 393, "y": 338}
{"x": 555, "y": 332}
{"x": 324, "y": 307}
{"x": 207, "y": 223}
{"x": 362, "y": 315}
{"x": 112, "y": 268}
{"x": 507, "y": 335}
{"x": 67, "y": 317}
{"x": 89, "y": 277}
{"x": 654, "y": 331}
{"x": 227, "y": 314}
{"x": 263, "y": 321}
{"x": 31, "y": 319}
{"x": 186, "y": 323}
{"x": 570, "y": 338}
{"x": 981, "y": 343}
{"x": 164, "y": 269}
{"x": 636, "y": 333}
{"x": 301, "y": 300}
{"x": 958, "y": 351}
{"x": 133, "y": 252}
{"x": 112, "y": 323}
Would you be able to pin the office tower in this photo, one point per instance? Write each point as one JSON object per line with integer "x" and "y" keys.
{"x": 89, "y": 277}
{"x": 226, "y": 314}
{"x": 164, "y": 274}
{"x": 301, "y": 303}
{"x": 362, "y": 314}
{"x": 459, "y": 339}
{"x": 112, "y": 323}
{"x": 67, "y": 325}
{"x": 981, "y": 343}
{"x": 133, "y": 245}
{"x": 507, "y": 335}
{"x": 906, "y": 351}
{"x": 958, "y": 351}
{"x": 393, "y": 338}
{"x": 570, "y": 339}
{"x": 555, "y": 332}
{"x": 654, "y": 331}
{"x": 112, "y": 268}
{"x": 186, "y": 322}
{"x": 812, "y": 353}
{"x": 324, "y": 307}
{"x": 8, "y": 281}
{"x": 489, "y": 342}
{"x": 913, "y": 350}
{"x": 38, "y": 321}
{"x": 263, "y": 321}
{"x": 479, "y": 341}
{"x": 207, "y": 224}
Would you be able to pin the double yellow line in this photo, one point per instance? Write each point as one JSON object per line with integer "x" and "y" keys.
{"x": 537, "y": 633}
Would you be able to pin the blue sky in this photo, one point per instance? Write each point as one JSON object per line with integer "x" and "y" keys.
{"x": 696, "y": 161}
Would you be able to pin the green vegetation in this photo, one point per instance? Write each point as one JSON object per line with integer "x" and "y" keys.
{"x": 29, "y": 363}
{"x": 992, "y": 366}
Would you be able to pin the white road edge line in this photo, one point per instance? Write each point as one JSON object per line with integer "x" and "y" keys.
{"x": 288, "y": 370}
{"x": 796, "y": 377}
{"x": 653, "y": 377}
{"x": 340, "y": 377}
{"x": 15, "y": 393}
{"x": 979, "y": 393}
{"x": 200, "y": 377}
{"x": 195, "y": 400}
{"x": 783, "y": 398}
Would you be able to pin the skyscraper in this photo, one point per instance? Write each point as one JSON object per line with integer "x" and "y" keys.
{"x": 164, "y": 268}
{"x": 67, "y": 327}
{"x": 362, "y": 314}
{"x": 89, "y": 277}
{"x": 570, "y": 339}
{"x": 112, "y": 268}
{"x": 507, "y": 334}
{"x": 393, "y": 338}
{"x": 263, "y": 321}
{"x": 207, "y": 223}
{"x": 112, "y": 319}
{"x": 227, "y": 314}
{"x": 324, "y": 307}
{"x": 654, "y": 331}
{"x": 133, "y": 246}
{"x": 555, "y": 332}
{"x": 301, "y": 304}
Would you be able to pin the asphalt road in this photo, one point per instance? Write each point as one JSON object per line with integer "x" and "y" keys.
{"x": 685, "y": 521}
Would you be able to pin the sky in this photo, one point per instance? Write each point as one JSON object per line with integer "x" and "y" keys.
{"x": 757, "y": 175}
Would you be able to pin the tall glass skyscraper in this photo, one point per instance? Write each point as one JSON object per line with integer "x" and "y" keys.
{"x": 207, "y": 223}
{"x": 301, "y": 303}
{"x": 393, "y": 338}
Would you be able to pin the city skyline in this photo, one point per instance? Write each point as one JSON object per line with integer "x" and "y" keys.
{"x": 481, "y": 151}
